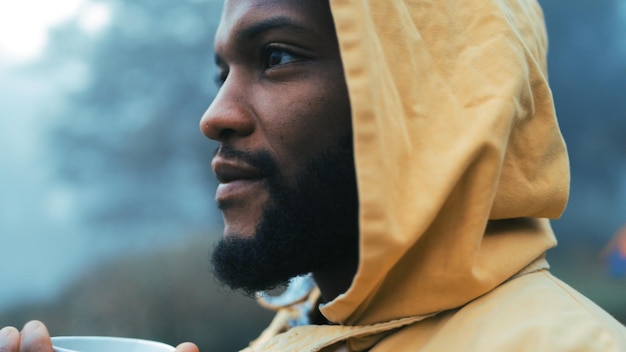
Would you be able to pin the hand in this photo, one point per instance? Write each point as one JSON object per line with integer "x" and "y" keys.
{"x": 183, "y": 347}
{"x": 34, "y": 337}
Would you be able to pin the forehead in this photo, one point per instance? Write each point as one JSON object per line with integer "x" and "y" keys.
{"x": 242, "y": 16}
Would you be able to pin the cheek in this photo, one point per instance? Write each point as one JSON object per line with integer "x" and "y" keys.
{"x": 308, "y": 119}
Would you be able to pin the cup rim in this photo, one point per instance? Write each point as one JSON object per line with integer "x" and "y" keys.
{"x": 61, "y": 339}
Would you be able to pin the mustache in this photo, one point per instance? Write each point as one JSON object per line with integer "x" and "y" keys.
{"x": 261, "y": 160}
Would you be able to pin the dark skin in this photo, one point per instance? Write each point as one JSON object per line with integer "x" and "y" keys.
{"x": 283, "y": 91}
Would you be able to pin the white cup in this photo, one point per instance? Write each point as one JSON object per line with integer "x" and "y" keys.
{"x": 107, "y": 344}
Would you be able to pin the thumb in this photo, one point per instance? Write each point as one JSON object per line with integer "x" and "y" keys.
{"x": 35, "y": 337}
{"x": 187, "y": 347}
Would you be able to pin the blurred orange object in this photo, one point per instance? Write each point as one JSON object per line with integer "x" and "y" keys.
{"x": 615, "y": 254}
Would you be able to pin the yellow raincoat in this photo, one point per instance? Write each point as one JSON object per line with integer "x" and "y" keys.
{"x": 459, "y": 162}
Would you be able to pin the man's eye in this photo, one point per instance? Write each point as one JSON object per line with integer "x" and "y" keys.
{"x": 274, "y": 57}
{"x": 220, "y": 78}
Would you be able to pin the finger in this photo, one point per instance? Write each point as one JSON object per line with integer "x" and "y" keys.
{"x": 35, "y": 338}
{"x": 9, "y": 339}
{"x": 187, "y": 347}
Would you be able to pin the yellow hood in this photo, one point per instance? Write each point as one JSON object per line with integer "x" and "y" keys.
{"x": 458, "y": 153}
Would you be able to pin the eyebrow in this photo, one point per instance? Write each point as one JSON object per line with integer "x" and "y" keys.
{"x": 272, "y": 23}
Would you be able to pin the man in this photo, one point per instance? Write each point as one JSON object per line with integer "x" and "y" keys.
{"x": 407, "y": 154}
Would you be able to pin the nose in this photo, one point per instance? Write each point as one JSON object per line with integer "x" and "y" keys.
{"x": 228, "y": 116}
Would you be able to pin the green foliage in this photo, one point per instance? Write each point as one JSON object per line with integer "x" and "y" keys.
{"x": 168, "y": 295}
{"x": 126, "y": 138}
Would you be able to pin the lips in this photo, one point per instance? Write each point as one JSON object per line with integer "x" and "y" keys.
{"x": 238, "y": 180}
{"x": 228, "y": 171}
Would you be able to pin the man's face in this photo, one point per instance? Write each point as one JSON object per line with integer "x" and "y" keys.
{"x": 282, "y": 116}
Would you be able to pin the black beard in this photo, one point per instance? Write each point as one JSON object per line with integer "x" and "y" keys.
{"x": 309, "y": 227}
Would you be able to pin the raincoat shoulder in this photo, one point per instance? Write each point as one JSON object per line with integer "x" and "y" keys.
{"x": 535, "y": 312}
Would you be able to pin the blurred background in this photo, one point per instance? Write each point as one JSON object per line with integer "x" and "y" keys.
{"x": 106, "y": 192}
